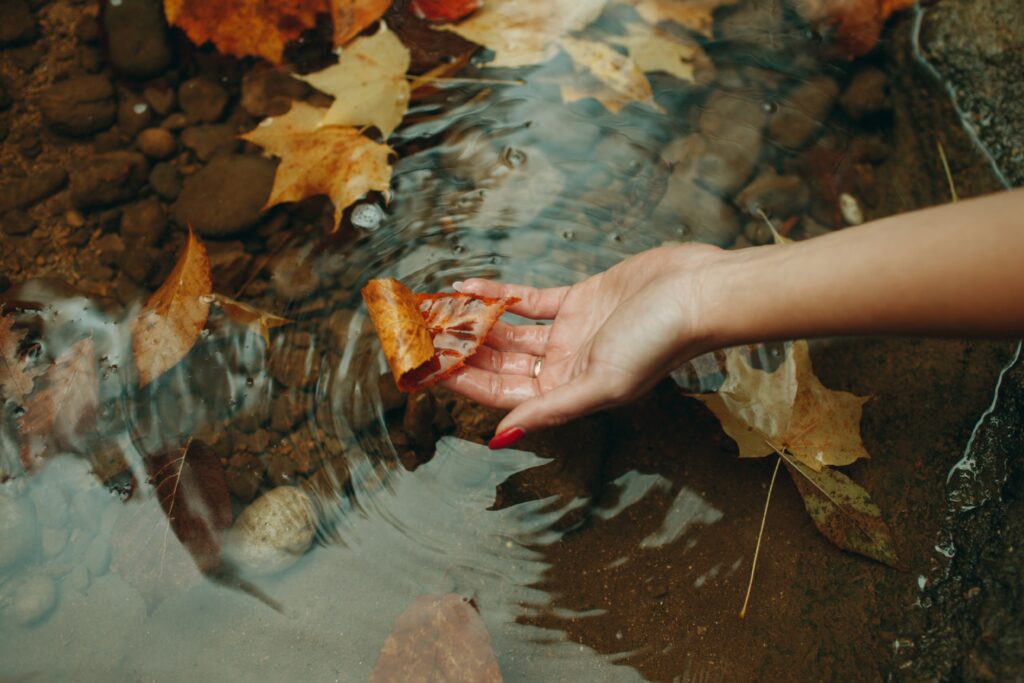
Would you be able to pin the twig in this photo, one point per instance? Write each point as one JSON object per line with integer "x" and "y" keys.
{"x": 949, "y": 174}
{"x": 760, "y": 535}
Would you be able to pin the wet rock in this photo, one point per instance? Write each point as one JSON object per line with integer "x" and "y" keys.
{"x": 867, "y": 94}
{"x": 109, "y": 248}
{"x": 329, "y": 481}
{"x": 156, "y": 143}
{"x": 758, "y": 25}
{"x": 226, "y": 196}
{"x": 271, "y": 534}
{"x": 202, "y": 100}
{"x": 133, "y": 114}
{"x": 80, "y": 106}
{"x": 281, "y": 470}
{"x": 108, "y": 179}
{"x": 17, "y": 223}
{"x": 255, "y": 442}
{"x": 800, "y": 116}
{"x": 850, "y": 209}
{"x": 777, "y": 196}
{"x": 292, "y": 367}
{"x": 17, "y": 530}
{"x": 244, "y": 476}
{"x": 165, "y": 181}
{"x": 293, "y": 274}
{"x": 52, "y": 541}
{"x": 17, "y": 25}
{"x": 21, "y": 193}
{"x": 286, "y": 411}
{"x": 24, "y": 58}
{"x": 175, "y": 122}
{"x": 160, "y": 98}
{"x": 872, "y": 149}
{"x": 701, "y": 214}
{"x": 34, "y": 598}
{"x": 269, "y": 92}
{"x": 143, "y": 224}
{"x": 87, "y": 30}
{"x": 137, "y": 40}
{"x": 732, "y": 128}
{"x": 5, "y": 96}
{"x": 208, "y": 140}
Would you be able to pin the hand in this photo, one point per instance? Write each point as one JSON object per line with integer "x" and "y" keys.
{"x": 613, "y": 337}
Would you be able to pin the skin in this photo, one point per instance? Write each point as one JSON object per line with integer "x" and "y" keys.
{"x": 955, "y": 270}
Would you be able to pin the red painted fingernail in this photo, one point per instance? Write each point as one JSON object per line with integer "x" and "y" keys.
{"x": 506, "y": 438}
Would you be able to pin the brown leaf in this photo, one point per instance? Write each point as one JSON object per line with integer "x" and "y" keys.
{"x": 64, "y": 408}
{"x": 175, "y": 315}
{"x": 525, "y": 32}
{"x": 193, "y": 493}
{"x": 400, "y": 326}
{"x": 16, "y": 378}
{"x": 856, "y": 25}
{"x": 330, "y": 160}
{"x": 844, "y": 512}
{"x": 438, "y": 639}
{"x": 696, "y": 15}
{"x": 350, "y": 17}
{"x": 618, "y": 73}
{"x": 654, "y": 50}
{"x": 253, "y": 318}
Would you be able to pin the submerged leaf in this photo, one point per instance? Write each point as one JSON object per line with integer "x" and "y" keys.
{"x": 696, "y": 15}
{"x": 438, "y": 639}
{"x": 175, "y": 315}
{"x": 654, "y": 50}
{"x": 350, "y": 17}
{"x": 253, "y": 318}
{"x": 856, "y": 24}
{"x": 617, "y": 72}
{"x": 844, "y": 512}
{"x": 16, "y": 378}
{"x": 329, "y": 160}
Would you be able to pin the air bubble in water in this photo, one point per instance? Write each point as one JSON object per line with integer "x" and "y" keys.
{"x": 770, "y": 107}
{"x": 367, "y": 216}
{"x": 513, "y": 157}
{"x": 569, "y": 235}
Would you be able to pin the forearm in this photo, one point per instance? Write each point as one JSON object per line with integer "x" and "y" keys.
{"x": 952, "y": 270}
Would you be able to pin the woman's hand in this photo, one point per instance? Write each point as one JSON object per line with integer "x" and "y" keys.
{"x": 613, "y": 336}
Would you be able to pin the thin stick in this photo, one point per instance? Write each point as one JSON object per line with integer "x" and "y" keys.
{"x": 776, "y": 235}
{"x": 949, "y": 174}
{"x": 760, "y": 535}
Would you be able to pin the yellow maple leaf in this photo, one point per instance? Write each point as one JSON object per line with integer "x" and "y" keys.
{"x": 617, "y": 72}
{"x": 790, "y": 408}
{"x": 654, "y": 50}
{"x": 525, "y": 32}
{"x": 368, "y": 83}
{"x": 336, "y": 161}
{"x": 696, "y": 15}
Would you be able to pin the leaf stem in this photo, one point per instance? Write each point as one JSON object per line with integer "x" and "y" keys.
{"x": 949, "y": 175}
{"x": 760, "y": 535}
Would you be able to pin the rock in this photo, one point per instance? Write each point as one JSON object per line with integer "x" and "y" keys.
{"x": 732, "y": 128}
{"x": 202, "y": 100}
{"x": 281, "y": 470}
{"x": 703, "y": 216}
{"x": 800, "y": 116}
{"x": 160, "y": 98}
{"x": 226, "y": 196}
{"x": 872, "y": 149}
{"x": 34, "y": 598}
{"x": 209, "y": 139}
{"x": 87, "y": 30}
{"x": 80, "y": 106}
{"x": 286, "y": 411}
{"x": 5, "y": 96}
{"x": 17, "y": 530}
{"x": 293, "y": 274}
{"x": 165, "y": 181}
{"x": 757, "y": 25}
{"x": 867, "y": 94}
{"x": 777, "y": 196}
{"x": 273, "y": 532}
{"x": 108, "y": 179}
{"x": 176, "y": 121}
{"x": 850, "y": 209}
{"x": 133, "y": 114}
{"x": 25, "y": 58}
{"x": 97, "y": 556}
{"x": 17, "y": 223}
{"x": 143, "y": 224}
{"x": 21, "y": 193}
{"x": 157, "y": 143}
{"x": 52, "y": 541}
{"x": 137, "y": 42}
{"x": 293, "y": 368}
{"x": 269, "y": 92}
{"x": 17, "y": 25}
{"x": 109, "y": 248}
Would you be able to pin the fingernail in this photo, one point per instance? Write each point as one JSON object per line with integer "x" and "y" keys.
{"x": 457, "y": 285}
{"x": 506, "y": 438}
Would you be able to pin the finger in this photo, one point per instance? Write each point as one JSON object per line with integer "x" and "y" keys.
{"x": 503, "y": 363}
{"x": 531, "y": 339}
{"x": 536, "y": 304}
{"x": 491, "y": 389}
{"x": 583, "y": 395}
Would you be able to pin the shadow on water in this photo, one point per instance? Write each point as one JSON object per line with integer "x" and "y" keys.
{"x": 615, "y": 548}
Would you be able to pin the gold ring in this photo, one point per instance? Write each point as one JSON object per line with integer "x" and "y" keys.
{"x": 537, "y": 364}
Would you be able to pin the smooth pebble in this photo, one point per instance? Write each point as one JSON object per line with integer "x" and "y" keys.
{"x": 273, "y": 532}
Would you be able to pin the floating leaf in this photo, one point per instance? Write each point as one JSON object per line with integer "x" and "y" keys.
{"x": 330, "y": 160}
{"x": 16, "y": 378}
{"x": 438, "y": 639}
{"x": 350, "y": 17}
{"x": 654, "y": 50}
{"x": 253, "y": 318}
{"x": 843, "y": 512}
{"x": 175, "y": 315}
{"x": 525, "y": 32}
{"x": 368, "y": 83}
{"x": 696, "y": 15}
{"x": 789, "y": 407}
{"x": 856, "y": 25}
{"x": 444, "y": 10}
{"x": 616, "y": 71}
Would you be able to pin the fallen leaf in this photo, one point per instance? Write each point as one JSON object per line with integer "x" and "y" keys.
{"x": 368, "y": 83}
{"x": 350, "y": 17}
{"x": 330, "y": 160}
{"x": 193, "y": 492}
{"x": 593, "y": 89}
{"x": 253, "y": 318}
{"x": 438, "y": 639}
{"x": 525, "y": 32}
{"x": 856, "y": 25}
{"x": 64, "y": 408}
{"x": 617, "y": 72}
{"x": 843, "y": 512}
{"x": 16, "y": 378}
{"x": 444, "y": 10}
{"x": 695, "y": 15}
{"x": 654, "y": 50}
{"x": 427, "y": 337}
{"x": 789, "y": 408}
{"x": 175, "y": 315}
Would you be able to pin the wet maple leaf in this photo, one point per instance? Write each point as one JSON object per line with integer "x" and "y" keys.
{"x": 525, "y": 32}
{"x": 788, "y": 409}
{"x": 438, "y": 639}
{"x": 253, "y": 318}
{"x": 368, "y": 83}
{"x": 696, "y": 15}
{"x": 620, "y": 75}
{"x": 856, "y": 25}
{"x": 350, "y": 17}
{"x": 174, "y": 316}
{"x": 335, "y": 161}
{"x": 444, "y": 10}
{"x": 16, "y": 378}
{"x": 654, "y": 50}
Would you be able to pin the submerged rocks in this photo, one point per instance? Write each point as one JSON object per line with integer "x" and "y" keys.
{"x": 17, "y": 530}
{"x": 774, "y": 194}
{"x": 270, "y": 92}
{"x": 80, "y": 106}
{"x": 801, "y": 115}
{"x": 156, "y": 143}
{"x": 17, "y": 25}
{"x": 143, "y": 224}
{"x": 108, "y": 179}
{"x": 209, "y": 139}
{"x": 17, "y": 223}
{"x": 34, "y": 598}
{"x": 225, "y": 196}
{"x": 137, "y": 40}
{"x": 703, "y": 215}
{"x": 273, "y": 532}
{"x": 22, "y": 193}
{"x": 202, "y": 100}
{"x": 867, "y": 94}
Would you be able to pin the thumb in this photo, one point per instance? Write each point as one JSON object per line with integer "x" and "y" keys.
{"x": 583, "y": 395}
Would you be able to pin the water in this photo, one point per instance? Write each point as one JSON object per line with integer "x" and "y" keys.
{"x": 616, "y": 548}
